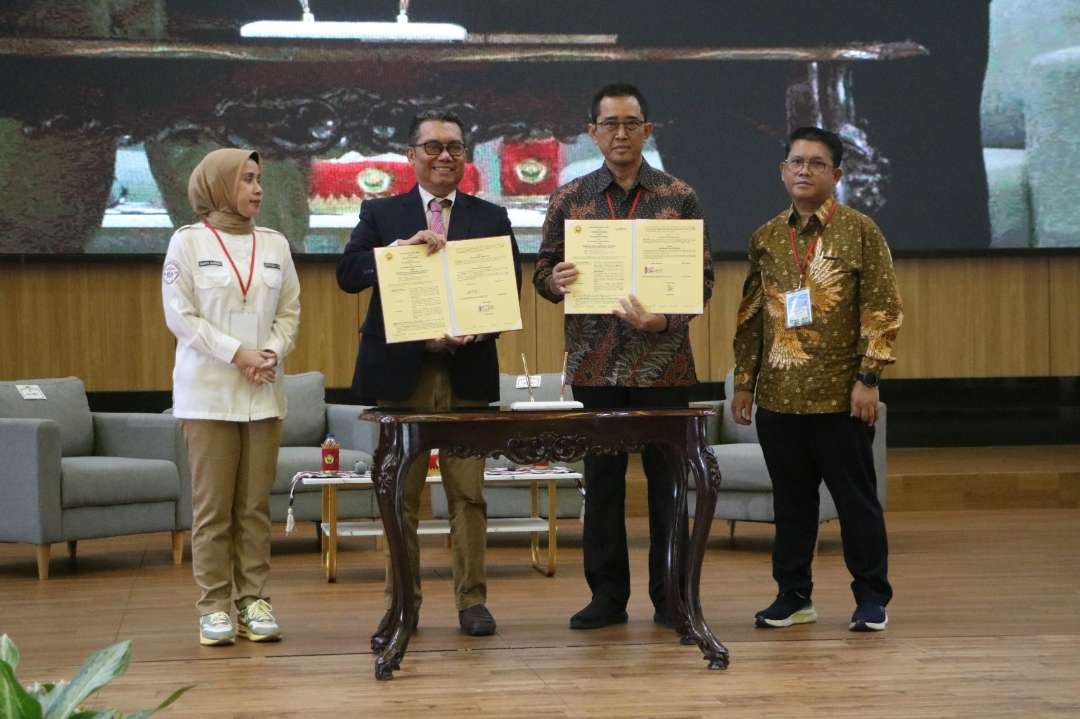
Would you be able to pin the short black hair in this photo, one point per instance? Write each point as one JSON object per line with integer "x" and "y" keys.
{"x": 437, "y": 116}
{"x": 815, "y": 134}
{"x": 618, "y": 89}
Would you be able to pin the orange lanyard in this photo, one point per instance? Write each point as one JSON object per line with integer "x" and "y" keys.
{"x": 251, "y": 270}
{"x": 633, "y": 205}
{"x": 802, "y": 264}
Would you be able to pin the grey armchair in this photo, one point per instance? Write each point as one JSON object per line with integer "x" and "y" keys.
{"x": 745, "y": 488}
{"x": 308, "y": 419}
{"x": 68, "y": 474}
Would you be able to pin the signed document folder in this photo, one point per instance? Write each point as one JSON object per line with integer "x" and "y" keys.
{"x": 659, "y": 261}
{"x": 467, "y": 288}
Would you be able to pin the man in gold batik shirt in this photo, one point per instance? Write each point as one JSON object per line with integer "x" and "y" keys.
{"x": 816, "y": 326}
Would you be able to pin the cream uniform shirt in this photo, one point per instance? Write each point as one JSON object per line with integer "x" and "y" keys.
{"x": 200, "y": 291}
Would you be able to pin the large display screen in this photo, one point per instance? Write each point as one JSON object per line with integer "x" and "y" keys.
{"x": 961, "y": 118}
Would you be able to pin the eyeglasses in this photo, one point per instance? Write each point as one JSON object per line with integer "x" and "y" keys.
{"x": 433, "y": 148}
{"x": 631, "y": 125}
{"x": 813, "y": 165}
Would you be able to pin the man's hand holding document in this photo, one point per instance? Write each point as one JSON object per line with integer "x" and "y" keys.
{"x": 658, "y": 261}
{"x": 466, "y": 288}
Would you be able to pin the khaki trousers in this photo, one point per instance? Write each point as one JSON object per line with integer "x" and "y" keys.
{"x": 463, "y": 482}
{"x": 233, "y": 465}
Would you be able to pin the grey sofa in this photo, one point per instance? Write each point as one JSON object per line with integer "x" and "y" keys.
{"x": 68, "y": 474}
{"x": 308, "y": 420}
{"x": 745, "y": 488}
{"x": 503, "y": 502}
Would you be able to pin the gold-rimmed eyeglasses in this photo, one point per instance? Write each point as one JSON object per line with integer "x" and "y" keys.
{"x": 814, "y": 165}
{"x": 611, "y": 125}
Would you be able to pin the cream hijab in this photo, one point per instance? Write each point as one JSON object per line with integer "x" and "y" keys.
{"x": 214, "y": 186}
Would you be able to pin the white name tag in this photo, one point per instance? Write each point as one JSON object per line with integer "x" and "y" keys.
{"x": 533, "y": 381}
{"x": 30, "y": 391}
{"x": 244, "y": 326}
{"x": 797, "y": 308}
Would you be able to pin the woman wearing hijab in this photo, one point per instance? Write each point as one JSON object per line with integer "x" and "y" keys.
{"x": 232, "y": 299}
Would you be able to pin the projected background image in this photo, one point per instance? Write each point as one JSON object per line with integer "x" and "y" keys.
{"x": 962, "y": 119}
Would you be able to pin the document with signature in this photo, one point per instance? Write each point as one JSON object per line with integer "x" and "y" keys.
{"x": 659, "y": 261}
{"x": 467, "y": 288}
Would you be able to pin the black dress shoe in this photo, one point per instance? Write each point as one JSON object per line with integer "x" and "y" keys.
{"x": 476, "y": 621}
{"x": 599, "y": 613}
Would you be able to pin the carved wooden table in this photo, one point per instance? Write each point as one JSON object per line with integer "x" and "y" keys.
{"x": 554, "y": 436}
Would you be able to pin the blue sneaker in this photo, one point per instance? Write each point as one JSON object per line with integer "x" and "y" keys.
{"x": 789, "y": 608}
{"x": 868, "y": 617}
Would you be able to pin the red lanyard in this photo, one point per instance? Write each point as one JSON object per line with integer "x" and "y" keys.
{"x": 251, "y": 270}
{"x": 805, "y": 262}
{"x": 633, "y": 205}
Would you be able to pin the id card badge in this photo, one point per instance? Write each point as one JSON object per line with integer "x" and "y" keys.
{"x": 797, "y": 308}
{"x": 244, "y": 326}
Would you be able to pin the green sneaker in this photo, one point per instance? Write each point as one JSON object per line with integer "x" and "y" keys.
{"x": 256, "y": 622}
{"x": 216, "y": 629}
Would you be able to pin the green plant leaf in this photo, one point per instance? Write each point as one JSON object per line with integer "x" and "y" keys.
{"x": 9, "y": 652}
{"x": 96, "y": 714}
{"x": 15, "y": 702}
{"x": 99, "y": 669}
{"x": 47, "y": 694}
{"x": 172, "y": 697}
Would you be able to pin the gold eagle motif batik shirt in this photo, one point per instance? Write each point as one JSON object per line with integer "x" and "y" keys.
{"x": 855, "y": 305}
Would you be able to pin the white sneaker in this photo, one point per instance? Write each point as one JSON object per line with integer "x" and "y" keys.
{"x": 256, "y": 622}
{"x": 216, "y": 629}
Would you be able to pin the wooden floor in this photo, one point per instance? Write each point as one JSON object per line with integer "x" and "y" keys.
{"x": 1031, "y": 477}
{"x": 985, "y": 623}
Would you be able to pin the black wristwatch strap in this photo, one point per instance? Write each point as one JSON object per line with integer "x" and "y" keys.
{"x": 870, "y": 379}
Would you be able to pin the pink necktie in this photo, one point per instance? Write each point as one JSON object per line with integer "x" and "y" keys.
{"x": 436, "y": 206}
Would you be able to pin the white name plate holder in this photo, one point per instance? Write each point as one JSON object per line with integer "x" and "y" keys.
{"x": 533, "y": 405}
{"x": 30, "y": 391}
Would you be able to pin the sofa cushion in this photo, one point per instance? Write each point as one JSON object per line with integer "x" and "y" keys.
{"x": 65, "y": 403}
{"x": 305, "y": 418}
{"x": 107, "y": 481}
{"x": 309, "y": 459}
{"x": 742, "y": 468}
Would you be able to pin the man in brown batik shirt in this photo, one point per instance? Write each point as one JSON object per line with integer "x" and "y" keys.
{"x": 632, "y": 358}
{"x": 816, "y": 326}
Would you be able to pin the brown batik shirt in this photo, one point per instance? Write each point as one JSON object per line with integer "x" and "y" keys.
{"x": 604, "y": 351}
{"x": 855, "y": 306}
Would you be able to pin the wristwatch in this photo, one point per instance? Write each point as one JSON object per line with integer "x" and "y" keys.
{"x": 870, "y": 379}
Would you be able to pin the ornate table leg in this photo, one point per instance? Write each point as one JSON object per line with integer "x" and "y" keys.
{"x": 707, "y": 482}
{"x": 675, "y": 560}
{"x": 391, "y": 638}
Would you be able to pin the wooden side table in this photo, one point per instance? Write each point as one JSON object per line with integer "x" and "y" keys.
{"x": 534, "y": 524}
